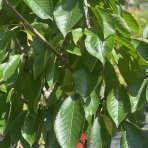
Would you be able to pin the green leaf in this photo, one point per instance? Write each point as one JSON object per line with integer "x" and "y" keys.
{"x": 134, "y": 136}
{"x": 108, "y": 22}
{"x": 43, "y": 28}
{"x": 28, "y": 132}
{"x": 106, "y": 130}
{"x": 4, "y": 107}
{"x": 37, "y": 108}
{"x": 30, "y": 88}
{"x": 123, "y": 141}
{"x": 73, "y": 49}
{"x": 89, "y": 62}
{"x": 38, "y": 66}
{"x": 122, "y": 2}
{"x": 42, "y": 9}
{"x": 138, "y": 117}
{"x": 77, "y": 34}
{"x": 5, "y": 37}
{"x": 114, "y": 5}
{"x": 67, "y": 14}
{"x": 54, "y": 96}
{"x": 86, "y": 81}
{"x": 94, "y": 45}
{"x": 92, "y": 103}
{"x": 145, "y": 32}
{"x": 2, "y": 67}
{"x": 52, "y": 74}
{"x": 38, "y": 47}
{"x": 147, "y": 94}
{"x": 132, "y": 69}
{"x": 1, "y": 3}
{"x": 69, "y": 122}
{"x": 121, "y": 25}
{"x": 51, "y": 113}
{"x": 125, "y": 43}
{"x": 67, "y": 86}
{"x": 6, "y": 142}
{"x": 94, "y": 140}
{"x": 11, "y": 66}
{"x": 99, "y": 136}
{"x": 15, "y": 133}
{"x": 118, "y": 105}
{"x": 39, "y": 63}
{"x": 131, "y": 21}
{"x": 141, "y": 47}
{"x": 5, "y": 57}
{"x": 16, "y": 106}
{"x": 32, "y": 127}
{"x": 52, "y": 140}
{"x": 108, "y": 46}
{"x": 139, "y": 96}
{"x": 110, "y": 77}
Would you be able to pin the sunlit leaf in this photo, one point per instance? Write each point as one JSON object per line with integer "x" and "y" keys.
{"x": 43, "y": 8}
{"x": 121, "y": 25}
{"x": 67, "y": 14}
{"x": 11, "y": 66}
{"x": 99, "y": 135}
{"x": 69, "y": 122}
{"x": 118, "y": 105}
{"x": 131, "y": 21}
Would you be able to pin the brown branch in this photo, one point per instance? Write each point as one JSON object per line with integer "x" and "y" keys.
{"x": 35, "y": 32}
{"x": 86, "y": 14}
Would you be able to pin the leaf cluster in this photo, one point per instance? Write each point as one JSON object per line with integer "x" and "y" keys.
{"x": 69, "y": 67}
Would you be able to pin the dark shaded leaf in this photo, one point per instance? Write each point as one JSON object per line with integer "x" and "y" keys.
{"x": 138, "y": 98}
{"x": 134, "y": 136}
{"x": 86, "y": 81}
{"x": 5, "y": 37}
{"x": 6, "y": 141}
{"x": 141, "y": 46}
{"x": 123, "y": 141}
{"x": 15, "y": 133}
{"x": 30, "y": 88}
{"x": 31, "y": 130}
{"x": 52, "y": 140}
{"x": 111, "y": 80}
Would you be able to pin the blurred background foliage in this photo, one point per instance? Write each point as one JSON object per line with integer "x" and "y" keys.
{"x": 139, "y": 8}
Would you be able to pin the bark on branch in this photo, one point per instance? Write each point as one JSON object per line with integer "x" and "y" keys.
{"x": 87, "y": 17}
{"x": 35, "y": 32}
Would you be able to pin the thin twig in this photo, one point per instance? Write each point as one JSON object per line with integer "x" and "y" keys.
{"x": 35, "y": 32}
{"x": 86, "y": 14}
{"x": 19, "y": 44}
